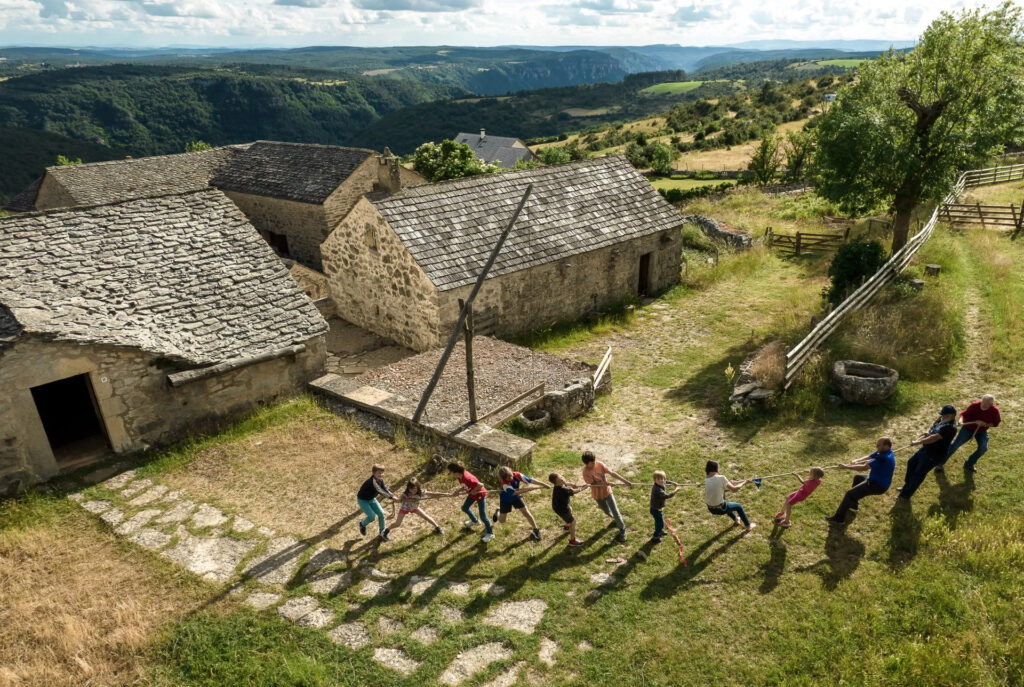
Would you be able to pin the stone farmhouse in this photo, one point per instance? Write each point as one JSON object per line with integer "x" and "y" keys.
{"x": 593, "y": 234}
{"x": 501, "y": 150}
{"x": 130, "y": 325}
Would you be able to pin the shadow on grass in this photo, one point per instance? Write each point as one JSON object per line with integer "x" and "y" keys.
{"x": 954, "y": 499}
{"x": 843, "y": 554}
{"x": 682, "y": 576}
{"x": 904, "y": 535}
{"x": 776, "y": 563}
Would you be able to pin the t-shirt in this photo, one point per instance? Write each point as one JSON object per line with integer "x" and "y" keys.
{"x": 946, "y": 432}
{"x": 410, "y": 501}
{"x": 807, "y": 488}
{"x": 595, "y": 473}
{"x": 471, "y": 482}
{"x": 883, "y": 464}
{"x": 659, "y": 496}
{"x": 508, "y": 489}
{"x": 371, "y": 488}
{"x": 714, "y": 490}
{"x": 560, "y": 498}
{"x": 974, "y": 412}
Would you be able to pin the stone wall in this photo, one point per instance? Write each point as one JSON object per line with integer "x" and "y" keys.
{"x": 137, "y": 406}
{"x": 568, "y": 289}
{"x": 52, "y": 195}
{"x": 719, "y": 231}
{"x": 304, "y": 224}
{"x": 376, "y": 284}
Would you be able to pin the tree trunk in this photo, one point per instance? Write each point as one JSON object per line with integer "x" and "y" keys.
{"x": 902, "y": 211}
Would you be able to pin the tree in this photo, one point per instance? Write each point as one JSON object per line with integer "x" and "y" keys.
{"x": 902, "y": 132}
{"x": 196, "y": 146}
{"x": 766, "y": 160}
{"x": 63, "y": 161}
{"x": 553, "y": 155}
{"x": 448, "y": 160}
{"x": 852, "y": 264}
{"x": 799, "y": 148}
{"x": 661, "y": 157}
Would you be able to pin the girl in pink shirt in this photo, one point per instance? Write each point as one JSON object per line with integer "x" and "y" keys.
{"x": 806, "y": 488}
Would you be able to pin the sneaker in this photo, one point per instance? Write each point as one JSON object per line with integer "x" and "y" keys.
{"x": 655, "y": 540}
{"x": 487, "y": 537}
{"x": 736, "y": 521}
{"x": 832, "y": 521}
{"x": 535, "y": 535}
{"x": 438, "y": 530}
{"x": 575, "y": 542}
{"x": 470, "y": 524}
{"x": 384, "y": 536}
{"x": 853, "y": 510}
{"x": 969, "y": 468}
{"x": 621, "y": 538}
{"x": 750, "y": 527}
{"x": 362, "y": 529}
{"x": 785, "y": 524}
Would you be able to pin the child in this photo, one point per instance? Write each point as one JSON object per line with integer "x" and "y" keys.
{"x": 367, "y": 500}
{"x": 510, "y": 497}
{"x": 596, "y": 473}
{"x": 715, "y": 487}
{"x": 475, "y": 493}
{"x": 410, "y": 503}
{"x": 807, "y": 487}
{"x": 561, "y": 492}
{"x": 658, "y": 498}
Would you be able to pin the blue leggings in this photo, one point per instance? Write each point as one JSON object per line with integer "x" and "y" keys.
{"x": 732, "y": 509}
{"x": 481, "y": 505}
{"x": 965, "y": 435}
{"x": 373, "y": 510}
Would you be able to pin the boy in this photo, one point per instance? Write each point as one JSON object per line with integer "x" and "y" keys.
{"x": 366, "y": 497}
{"x": 561, "y": 492}
{"x": 596, "y": 473}
{"x": 476, "y": 493}
{"x": 658, "y": 498}
{"x": 715, "y": 487}
{"x": 510, "y": 497}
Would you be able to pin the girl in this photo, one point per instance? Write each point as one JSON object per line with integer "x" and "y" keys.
{"x": 367, "y": 500}
{"x": 475, "y": 493}
{"x": 715, "y": 487}
{"x": 806, "y": 488}
{"x": 509, "y": 497}
{"x": 410, "y": 503}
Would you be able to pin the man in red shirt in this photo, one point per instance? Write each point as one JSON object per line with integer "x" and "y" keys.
{"x": 974, "y": 423}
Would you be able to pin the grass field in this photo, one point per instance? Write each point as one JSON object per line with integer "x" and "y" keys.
{"x": 925, "y": 595}
{"x": 736, "y": 157}
{"x": 672, "y": 87}
{"x": 842, "y": 62}
{"x": 686, "y": 184}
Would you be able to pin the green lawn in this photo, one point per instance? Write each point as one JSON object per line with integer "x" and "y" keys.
{"x": 842, "y": 62}
{"x": 925, "y": 595}
{"x": 672, "y": 87}
{"x": 686, "y": 184}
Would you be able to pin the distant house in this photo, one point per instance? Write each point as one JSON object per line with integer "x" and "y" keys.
{"x": 593, "y": 234}
{"x": 130, "y": 325}
{"x": 500, "y": 150}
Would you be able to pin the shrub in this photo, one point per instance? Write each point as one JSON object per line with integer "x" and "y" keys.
{"x": 853, "y": 262}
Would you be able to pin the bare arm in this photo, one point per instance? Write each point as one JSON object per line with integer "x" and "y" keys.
{"x": 620, "y": 478}
{"x": 928, "y": 439}
{"x": 736, "y": 486}
{"x": 799, "y": 478}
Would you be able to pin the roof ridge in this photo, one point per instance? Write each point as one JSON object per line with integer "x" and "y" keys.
{"x": 145, "y": 157}
{"x": 79, "y": 208}
{"x": 313, "y": 145}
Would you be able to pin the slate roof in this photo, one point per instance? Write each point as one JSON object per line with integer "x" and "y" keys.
{"x": 304, "y": 172}
{"x": 115, "y": 181}
{"x": 25, "y": 200}
{"x": 498, "y": 149}
{"x": 450, "y": 228}
{"x": 183, "y": 276}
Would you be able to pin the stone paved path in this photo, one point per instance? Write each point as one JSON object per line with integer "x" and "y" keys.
{"x": 284, "y": 575}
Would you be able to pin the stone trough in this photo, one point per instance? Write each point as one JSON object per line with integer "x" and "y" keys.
{"x": 864, "y": 383}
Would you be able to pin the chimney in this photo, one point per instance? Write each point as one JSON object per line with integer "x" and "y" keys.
{"x": 482, "y": 133}
{"x": 388, "y": 175}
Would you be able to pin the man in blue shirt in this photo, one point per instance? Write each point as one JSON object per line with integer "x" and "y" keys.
{"x": 933, "y": 452}
{"x": 881, "y": 464}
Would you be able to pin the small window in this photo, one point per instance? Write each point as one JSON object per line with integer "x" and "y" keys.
{"x": 279, "y": 242}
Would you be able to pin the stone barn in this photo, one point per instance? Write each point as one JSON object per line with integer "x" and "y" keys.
{"x": 593, "y": 234}
{"x": 131, "y": 325}
{"x": 296, "y": 193}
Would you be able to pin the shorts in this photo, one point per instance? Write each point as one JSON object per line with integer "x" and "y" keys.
{"x": 795, "y": 498}
{"x": 566, "y": 515}
{"x": 507, "y": 506}
{"x": 405, "y": 511}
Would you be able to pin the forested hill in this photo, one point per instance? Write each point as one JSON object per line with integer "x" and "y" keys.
{"x": 150, "y": 110}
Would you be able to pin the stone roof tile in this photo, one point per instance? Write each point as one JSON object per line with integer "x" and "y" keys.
{"x": 501, "y": 150}
{"x": 183, "y": 276}
{"x": 450, "y": 228}
{"x": 25, "y": 200}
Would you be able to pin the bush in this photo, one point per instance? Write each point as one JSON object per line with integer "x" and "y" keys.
{"x": 853, "y": 262}
{"x": 695, "y": 239}
{"x": 678, "y": 195}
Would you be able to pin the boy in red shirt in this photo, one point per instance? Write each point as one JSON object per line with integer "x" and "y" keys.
{"x": 974, "y": 423}
{"x": 476, "y": 493}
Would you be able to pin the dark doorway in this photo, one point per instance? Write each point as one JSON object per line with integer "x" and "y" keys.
{"x": 644, "y": 284}
{"x": 68, "y": 411}
{"x": 279, "y": 242}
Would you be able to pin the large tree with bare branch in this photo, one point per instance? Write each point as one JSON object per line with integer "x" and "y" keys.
{"x": 900, "y": 134}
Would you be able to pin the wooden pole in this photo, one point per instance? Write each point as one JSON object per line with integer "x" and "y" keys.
{"x": 980, "y": 216}
{"x": 798, "y": 243}
{"x": 457, "y": 329}
{"x": 470, "y": 381}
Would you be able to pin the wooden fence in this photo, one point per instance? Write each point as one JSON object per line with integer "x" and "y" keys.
{"x": 1009, "y": 216}
{"x": 805, "y": 242}
{"x": 992, "y": 175}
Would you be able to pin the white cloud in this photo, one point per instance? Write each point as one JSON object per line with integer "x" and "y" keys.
{"x": 417, "y": 5}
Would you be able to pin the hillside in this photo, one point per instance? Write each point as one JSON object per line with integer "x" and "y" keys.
{"x": 26, "y": 153}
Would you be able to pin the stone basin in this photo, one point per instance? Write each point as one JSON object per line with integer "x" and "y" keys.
{"x": 864, "y": 383}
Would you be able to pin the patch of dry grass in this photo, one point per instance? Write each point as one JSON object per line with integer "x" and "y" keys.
{"x": 78, "y": 608}
{"x": 769, "y": 365}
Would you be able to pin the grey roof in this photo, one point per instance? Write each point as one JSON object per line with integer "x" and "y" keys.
{"x": 25, "y": 200}
{"x": 183, "y": 276}
{"x": 450, "y": 228}
{"x": 303, "y": 172}
{"x": 497, "y": 149}
{"x": 98, "y": 183}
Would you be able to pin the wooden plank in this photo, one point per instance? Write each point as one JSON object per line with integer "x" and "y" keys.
{"x": 470, "y": 379}
{"x": 518, "y": 399}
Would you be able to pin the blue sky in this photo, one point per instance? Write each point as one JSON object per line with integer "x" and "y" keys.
{"x": 259, "y": 23}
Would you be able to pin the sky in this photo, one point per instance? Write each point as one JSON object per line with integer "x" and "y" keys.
{"x": 291, "y": 23}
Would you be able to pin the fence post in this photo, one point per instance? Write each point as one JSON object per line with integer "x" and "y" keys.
{"x": 846, "y": 234}
{"x": 797, "y": 246}
{"x": 980, "y": 216}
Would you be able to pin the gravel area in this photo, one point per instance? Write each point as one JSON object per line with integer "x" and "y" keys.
{"x": 502, "y": 371}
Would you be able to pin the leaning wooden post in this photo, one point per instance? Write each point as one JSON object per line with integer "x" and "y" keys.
{"x": 470, "y": 382}
{"x": 980, "y": 216}
{"x": 797, "y": 245}
{"x": 457, "y": 329}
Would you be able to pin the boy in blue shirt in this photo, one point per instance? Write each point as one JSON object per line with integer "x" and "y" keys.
{"x": 880, "y": 464}
{"x": 510, "y": 497}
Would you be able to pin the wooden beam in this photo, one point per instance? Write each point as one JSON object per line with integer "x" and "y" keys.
{"x": 470, "y": 382}
{"x": 518, "y": 399}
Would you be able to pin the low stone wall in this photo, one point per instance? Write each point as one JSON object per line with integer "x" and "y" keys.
{"x": 576, "y": 399}
{"x": 719, "y": 231}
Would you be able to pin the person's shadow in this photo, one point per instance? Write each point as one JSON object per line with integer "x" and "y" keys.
{"x": 904, "y": 535}
{"x": 842, "y": 556}
{"x": 698, "y": 559}
{"x": 775, "y": 565}
{"x": 954, "y": 499}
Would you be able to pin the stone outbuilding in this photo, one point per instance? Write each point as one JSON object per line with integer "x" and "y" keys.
{"x": 592, "y": 235}
{"x": 131, "y": 325}
{"x": 296, "y": 193}
{"x": 502, "y": 151}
